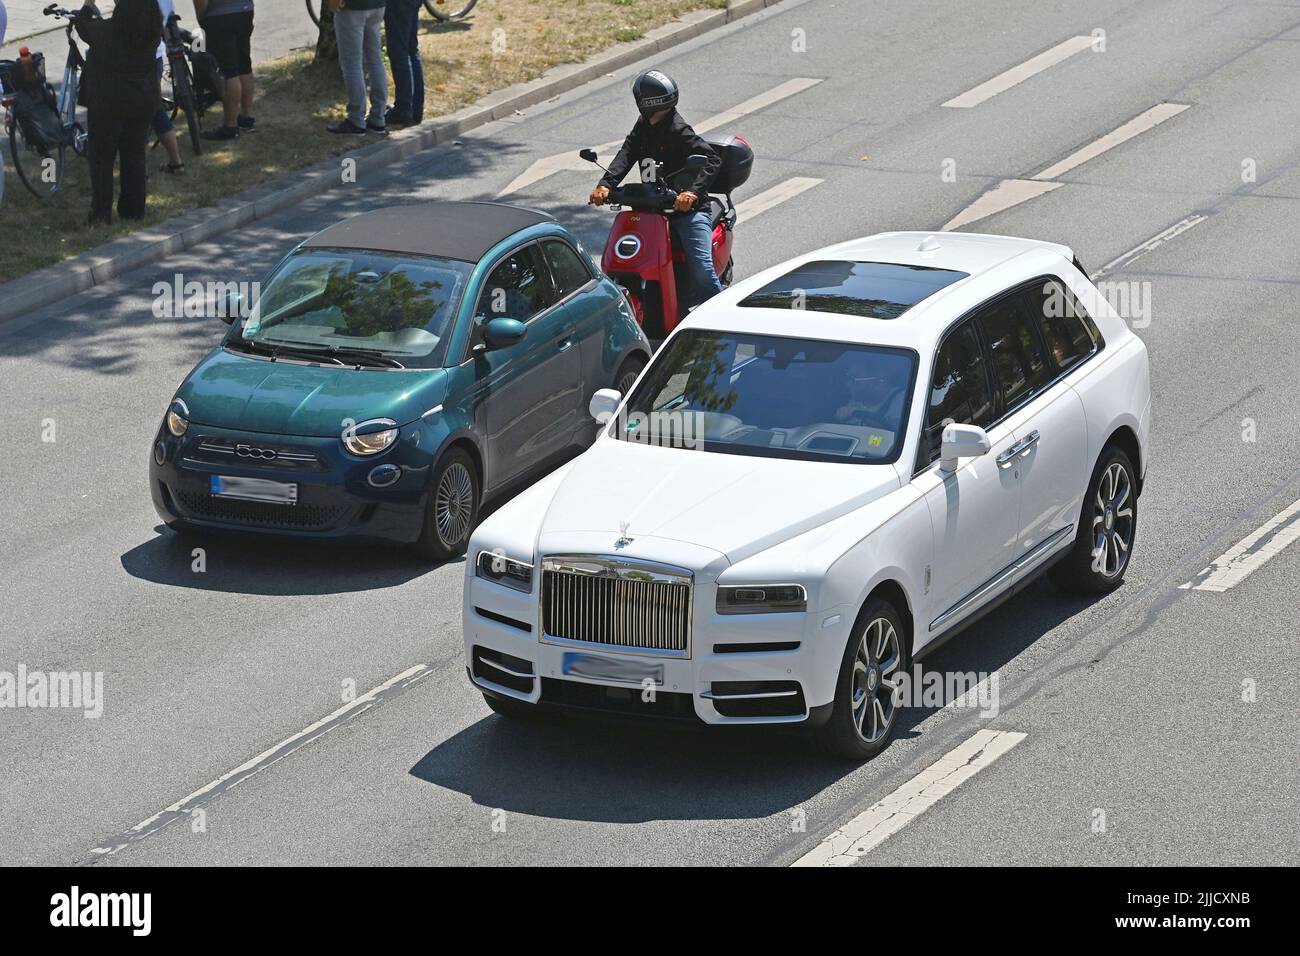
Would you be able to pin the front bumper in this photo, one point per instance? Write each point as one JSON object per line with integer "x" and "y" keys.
{"x": 335, "y": 498}
{"x": 750, "y": 669}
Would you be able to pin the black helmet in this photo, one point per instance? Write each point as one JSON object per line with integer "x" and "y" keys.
{"x": 654, "y": 91}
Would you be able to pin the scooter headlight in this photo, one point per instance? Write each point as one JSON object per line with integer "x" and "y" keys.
{"x": 627, "y": 247}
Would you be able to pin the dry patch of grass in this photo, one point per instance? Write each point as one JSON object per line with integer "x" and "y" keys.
{"x": 503, "y": 42}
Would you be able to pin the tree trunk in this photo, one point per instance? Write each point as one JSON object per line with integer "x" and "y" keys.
{"x": 327, "y": 47}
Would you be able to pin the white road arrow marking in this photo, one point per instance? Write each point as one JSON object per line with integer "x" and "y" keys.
{"x": 550, "y": 165}
{"x": 1250, "y": 553}
{"x": 1012, "y": 192}
{"x": 1018, "y": 74}
{"x": 886, "y": 817}
{"x": 757, "y": 205}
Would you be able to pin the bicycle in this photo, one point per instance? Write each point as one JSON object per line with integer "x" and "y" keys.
{"x": 30, "y": 159}
{"x": 459, "y": 9}
{"x": 183, "y": 99}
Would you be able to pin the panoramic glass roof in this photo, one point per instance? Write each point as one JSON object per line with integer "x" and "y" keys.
{"x": 874, "y": 290}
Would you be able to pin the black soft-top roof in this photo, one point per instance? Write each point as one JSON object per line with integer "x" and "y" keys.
{"x": 452, "y": 230}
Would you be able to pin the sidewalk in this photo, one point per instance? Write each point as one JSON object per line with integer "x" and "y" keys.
{"x": 279, "y": 27}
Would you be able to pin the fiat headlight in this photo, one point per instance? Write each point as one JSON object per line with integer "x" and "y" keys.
{"x": 178, "y": 418}
{"x": 369, "y": 438}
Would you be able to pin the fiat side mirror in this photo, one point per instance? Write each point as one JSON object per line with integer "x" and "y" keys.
{"x": 502, "y": 333}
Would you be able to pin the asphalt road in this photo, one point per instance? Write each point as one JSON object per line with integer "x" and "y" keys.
{"x": 1139, "y": 746}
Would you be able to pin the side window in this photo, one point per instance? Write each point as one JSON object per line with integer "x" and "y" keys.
{"x": 959, "y": 389}
{"x": 1068, "y": 329}
{"x": 566, "y": 268}
{"x": 518, "y": 288}
{"x": 1019, "y": 366}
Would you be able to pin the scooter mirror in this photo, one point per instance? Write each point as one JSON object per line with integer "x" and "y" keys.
{"x": 588, "y": 154}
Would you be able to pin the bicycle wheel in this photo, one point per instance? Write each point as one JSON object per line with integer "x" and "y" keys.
{"x": 186, "y": 104}
{"x": 31, "y": 162}
{"x": 313, "y": 12}
{"x": 453, "y": 10}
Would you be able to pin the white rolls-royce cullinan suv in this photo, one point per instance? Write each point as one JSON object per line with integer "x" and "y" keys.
{"x": 825, "y": 471}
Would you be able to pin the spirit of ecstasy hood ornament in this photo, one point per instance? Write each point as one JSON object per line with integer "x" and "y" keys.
{"x": 623, "y": 540}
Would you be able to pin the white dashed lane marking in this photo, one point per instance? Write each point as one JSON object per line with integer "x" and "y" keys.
{"x": 1250, "y": 553}
{"x": 182, "y": 808}
{"x": 568, "y": 160}
{"x": 1018, "y": 74}
{"x": 1012, "y": 192}
{"x": 886, "y": 817}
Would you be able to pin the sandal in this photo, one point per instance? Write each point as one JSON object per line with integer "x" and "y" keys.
{"x": 174, "y": 168}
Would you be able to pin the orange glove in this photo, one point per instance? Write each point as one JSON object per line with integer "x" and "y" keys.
{"x": 599, "y": 195}
{"x": 686, "y": 201}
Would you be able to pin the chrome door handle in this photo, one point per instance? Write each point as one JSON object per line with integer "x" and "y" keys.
{"x": 1019, "y": 450}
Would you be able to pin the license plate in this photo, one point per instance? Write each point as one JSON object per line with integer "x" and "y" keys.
{"x": 254, "y": 489}
{"x": 612, "y": 669}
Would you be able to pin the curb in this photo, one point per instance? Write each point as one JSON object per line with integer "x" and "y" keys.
{"x": 97, "y": 266}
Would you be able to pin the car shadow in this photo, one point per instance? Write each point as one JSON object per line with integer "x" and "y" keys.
{"x": 248, "y": 564}
{"x": 619, "y": 771}
{"x": 581, "y": 768}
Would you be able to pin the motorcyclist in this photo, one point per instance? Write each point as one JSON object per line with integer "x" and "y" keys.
{"x": 663, "y": 136}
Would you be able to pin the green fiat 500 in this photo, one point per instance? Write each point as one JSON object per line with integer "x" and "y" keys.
{"x": 398, "y": 368}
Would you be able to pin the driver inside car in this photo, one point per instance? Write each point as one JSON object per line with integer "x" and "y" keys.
{"x": 866, "y": 392}
{"x": 662, "y": 136}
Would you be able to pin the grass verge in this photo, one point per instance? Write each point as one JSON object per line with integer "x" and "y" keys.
{"x": 503, "y": 42}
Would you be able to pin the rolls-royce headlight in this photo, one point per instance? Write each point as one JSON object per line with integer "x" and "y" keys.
{"x": 369, "y": 438}
{"x": 761, "y": 598}
{"x": 497, "y": 568}
{"x": 178, "y": 418}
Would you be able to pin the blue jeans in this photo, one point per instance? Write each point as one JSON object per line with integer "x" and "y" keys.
{"x": 402, "y": 25}
{"x": 695, "y": 235}
{"x": 362, "y": 62}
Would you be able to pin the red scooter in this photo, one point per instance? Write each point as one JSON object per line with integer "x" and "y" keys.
{"x": 640, "y": 254}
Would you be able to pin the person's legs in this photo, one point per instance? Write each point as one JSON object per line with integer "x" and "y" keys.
{"x": 417, "y": 62}
{"x": 163, "y": 129}
{"x": 399, "y": 57}
{"x": 222, "y": 40}
{"x": 348, "y": 32}
{"x": 244, "y": 50}
{"x": 101, "y": 149}
{"x": 695, "y": 235}
{"x": 131, "y": 164}
{"x": 376, "y": 74}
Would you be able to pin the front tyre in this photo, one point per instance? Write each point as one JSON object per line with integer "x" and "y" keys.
{"x": 866, "y": 706}
{"x": 452, "y": 511}
{"x": 1107, "y": 525}
{"x": 627, "y": 374}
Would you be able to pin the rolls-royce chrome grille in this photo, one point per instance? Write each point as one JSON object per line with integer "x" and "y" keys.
{"x": 618, "y": 603}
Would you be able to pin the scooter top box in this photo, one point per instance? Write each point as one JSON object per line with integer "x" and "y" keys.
{"x": 737, "y": 163}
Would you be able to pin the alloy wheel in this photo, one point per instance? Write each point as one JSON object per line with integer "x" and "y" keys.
{"x": 453, "y": 505}
{"x": 1112, "y": 521}
{"x": 875, "y": 680}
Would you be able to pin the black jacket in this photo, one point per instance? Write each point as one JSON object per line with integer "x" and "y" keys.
{"x": 119, "y": 78}
{"x": 668, "y": 142}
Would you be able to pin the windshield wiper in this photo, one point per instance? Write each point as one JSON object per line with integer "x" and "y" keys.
{"x": 372, "y": 355}
{"x": 287, "y": 351}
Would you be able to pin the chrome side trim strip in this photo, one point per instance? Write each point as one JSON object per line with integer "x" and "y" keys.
{"x": 709, "y": 695}
{"x": 503, "y": 669}
{"x": 995, "y": 583}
